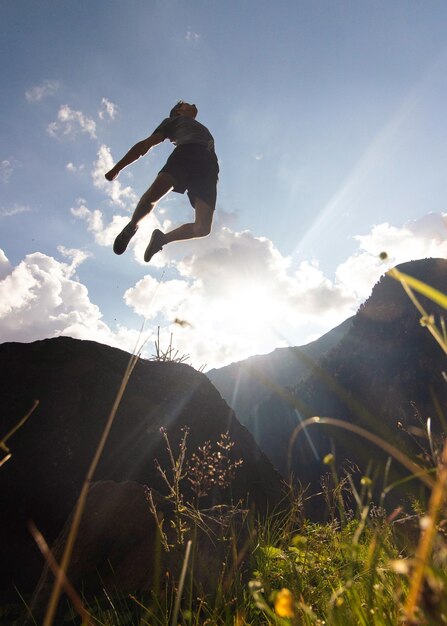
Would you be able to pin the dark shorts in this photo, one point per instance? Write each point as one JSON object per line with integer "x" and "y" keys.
{"x": 195, "y": 169}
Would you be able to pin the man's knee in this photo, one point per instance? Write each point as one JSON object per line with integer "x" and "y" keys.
{"x": 202, "y": 229}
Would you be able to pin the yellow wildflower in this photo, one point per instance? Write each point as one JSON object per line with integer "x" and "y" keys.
{"x": 284, "y": 603}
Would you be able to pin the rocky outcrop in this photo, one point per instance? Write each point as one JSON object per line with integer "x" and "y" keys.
{"x": 76, "y": 384}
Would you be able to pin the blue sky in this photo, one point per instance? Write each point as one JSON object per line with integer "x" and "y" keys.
{"x": 329, "y": 122}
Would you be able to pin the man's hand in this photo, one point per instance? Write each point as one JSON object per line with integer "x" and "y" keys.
{"x": 112, "y": 174}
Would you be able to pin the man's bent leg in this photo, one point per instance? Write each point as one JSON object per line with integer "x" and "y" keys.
{"x": 159, "y": 188}
{"x": 200, "y": 228}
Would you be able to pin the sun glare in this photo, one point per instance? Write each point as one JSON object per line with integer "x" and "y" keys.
{"x": 251, "y": 308}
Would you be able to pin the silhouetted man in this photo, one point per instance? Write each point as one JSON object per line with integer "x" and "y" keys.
{"x": 192, "y": 167}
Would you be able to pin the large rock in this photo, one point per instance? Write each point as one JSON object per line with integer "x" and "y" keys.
{"x": 118, "y": 547}
{"x": 76, "y": 383}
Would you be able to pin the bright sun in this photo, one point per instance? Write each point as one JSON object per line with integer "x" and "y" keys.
{"x": 251, "y": 308}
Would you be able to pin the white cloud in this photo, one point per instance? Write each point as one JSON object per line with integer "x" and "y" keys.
{"x": 425, "y": 237}
{"x": 76, "y": 256}
{"x": 192, "y": 37}
{"x": 119, "y": 195}
{"x": 237, "y": 294}
{"x": 6, "y": 170}
{"x": 41, "y": 297}
{"x": 14, "y": 210}
{"x": 5, "y": 265}
{"x": 108, "y": 110}
{"x": 71, "y": 167}
{"x": 39, "y": 92}
{"x": 70, "y": 122}
{"x": 240, "y": 296}
{"x": 150, "y": 297}
{"x": 104, "y": 231}
{"x": 104, "y": 235}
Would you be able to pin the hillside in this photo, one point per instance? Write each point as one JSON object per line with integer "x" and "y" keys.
{"x": 76, "y": 383}
{"x": 245, "y": 385}
{"x": 386, "y": 375}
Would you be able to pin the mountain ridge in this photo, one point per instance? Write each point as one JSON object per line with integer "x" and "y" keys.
{"x": 245, "y": 384}
{"x": 383, "y": 374}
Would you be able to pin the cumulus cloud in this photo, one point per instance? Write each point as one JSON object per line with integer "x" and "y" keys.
{"x": 5, "y": 265}
{"x": 235, "y": 293}
{"x": 41, "y": 297}
{"x": 39, "y": 92}
{"x": 150, "y": 297}
{"x": 240, "y": 296}
{"x": 70, "y": 122}
{"x": 108, "y": 110}
{"x": 105, "y": 230}
{"x": 119, "y": 195}
{"x": 418, "y": 239}
{"x": 104, "y": 234}
{"x": 74, "y": 255}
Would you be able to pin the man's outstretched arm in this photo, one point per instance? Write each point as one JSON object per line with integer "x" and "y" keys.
{"x": 137, "y": 151}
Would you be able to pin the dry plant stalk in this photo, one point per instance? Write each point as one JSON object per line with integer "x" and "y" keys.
{"x": 170, "y": 354}
{"x": 54, "y": 566}
{"x": 181, "y": 584}
{"x": 57, "y": 589}
{"x": 3, "y": 441}
{"x": 425, "y": 545}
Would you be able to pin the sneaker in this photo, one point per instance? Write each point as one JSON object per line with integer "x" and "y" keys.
{"x": 155, "y": 245}
{"x": 124, "y": 237}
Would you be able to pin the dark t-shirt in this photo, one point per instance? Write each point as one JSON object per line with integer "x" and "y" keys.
{"x": 182, "y": 130}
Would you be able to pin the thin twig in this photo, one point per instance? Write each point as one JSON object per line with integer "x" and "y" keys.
{"x": 425, "y": 545}
{"x": 181, "y": 584}
{"x": 3, "y": 441}
{"x": 54, "y": 566}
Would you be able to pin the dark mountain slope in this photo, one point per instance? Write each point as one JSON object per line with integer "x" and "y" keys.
{"x": 385, "y": 374}
{"x": 76, "y": 383}
{"x": 246, "y": 384}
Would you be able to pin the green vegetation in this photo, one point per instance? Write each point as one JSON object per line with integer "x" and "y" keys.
{"x": 297, "y": 572}
{"x": 356, "y": 569}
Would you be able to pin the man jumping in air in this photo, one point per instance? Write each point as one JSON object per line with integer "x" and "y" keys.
{"x": 192, "y": 167}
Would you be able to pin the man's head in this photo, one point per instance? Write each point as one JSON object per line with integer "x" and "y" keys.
{"x": 183, "y": 108}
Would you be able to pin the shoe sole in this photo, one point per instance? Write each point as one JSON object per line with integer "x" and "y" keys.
{"x": 117, "y": 247}
{"x": 154, "y": 246}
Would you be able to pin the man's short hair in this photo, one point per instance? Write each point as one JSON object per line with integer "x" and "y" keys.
{"x": 174, "y": 110}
